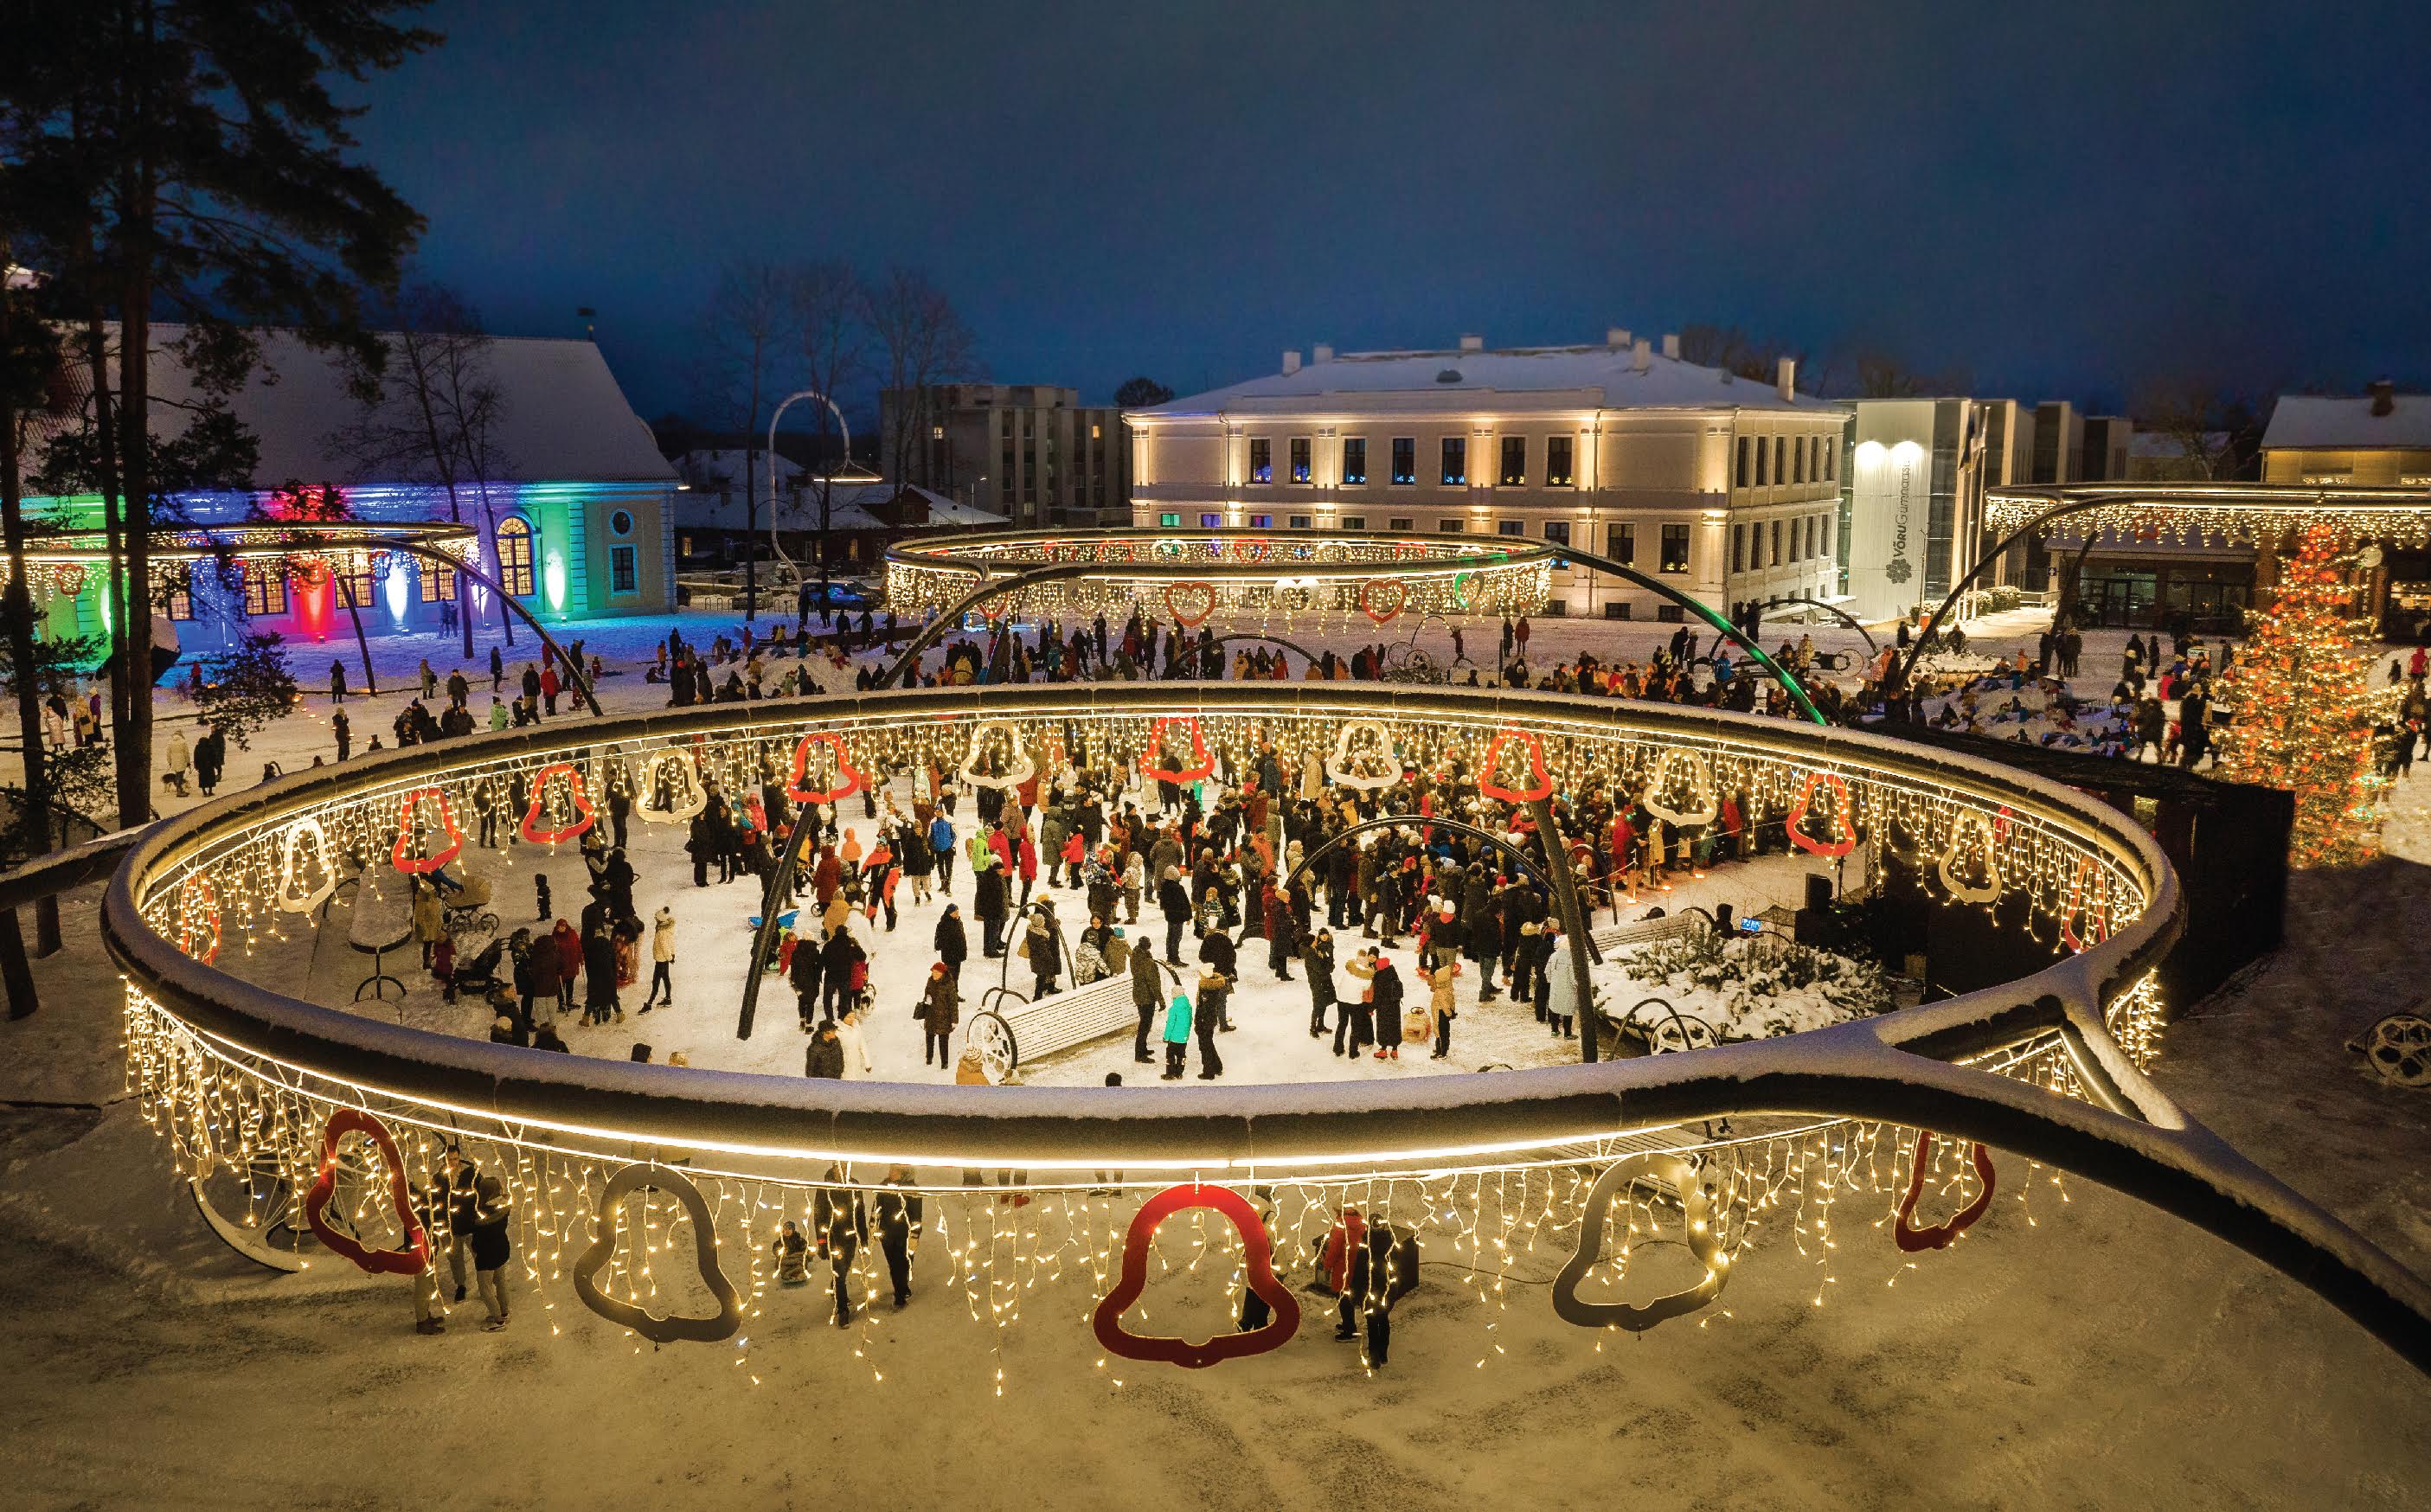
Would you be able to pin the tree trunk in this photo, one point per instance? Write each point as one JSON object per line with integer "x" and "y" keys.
{"x": 16, "y": 977}
{"x": 134, "y": 662}
{"x": 34, "y": 818}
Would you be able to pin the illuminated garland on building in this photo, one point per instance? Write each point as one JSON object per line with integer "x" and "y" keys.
{"x": 2197, "y": 514}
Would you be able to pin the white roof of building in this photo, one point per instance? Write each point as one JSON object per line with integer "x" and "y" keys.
{"x": 563, "y": 418}
{"x": 2340, "y": 422}
{"x": 1600, "y": 376}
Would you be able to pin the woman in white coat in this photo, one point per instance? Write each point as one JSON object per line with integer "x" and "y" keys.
{"x": 857, "y": 1066}
{"x": 1561, "y": 977}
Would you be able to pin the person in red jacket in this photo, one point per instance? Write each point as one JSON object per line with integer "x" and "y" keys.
{"x": 1028, "y": 865}
{"x": 569, "y": 963}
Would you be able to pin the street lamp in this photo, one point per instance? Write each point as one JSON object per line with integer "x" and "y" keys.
{"x": 777, "y": 550}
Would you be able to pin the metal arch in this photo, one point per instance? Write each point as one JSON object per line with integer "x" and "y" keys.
{"x": 1907, "y": 663}
{"x": 1293, "y": 646}
{"x": 988, "y": 587}
{"x": 582, "y": 683}
{"x": 1837, "y": 612}
{"x": 1697, "y": 606}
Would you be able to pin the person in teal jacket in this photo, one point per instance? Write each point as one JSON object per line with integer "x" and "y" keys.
{"x": 1177, "y": 1038}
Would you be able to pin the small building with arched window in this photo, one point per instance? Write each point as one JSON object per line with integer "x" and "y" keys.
{"x": 537, "y": 450}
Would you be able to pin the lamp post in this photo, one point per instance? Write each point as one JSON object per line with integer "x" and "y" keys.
{"x": 824, "y": 488}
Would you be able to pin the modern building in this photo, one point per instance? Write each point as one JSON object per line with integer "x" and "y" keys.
{"x": 2109, "y": 448}
{"x": 2381, "y": 438}
{"x": 575, "y": 521}
{"x": 1030, "y": 453}
{"x": 1913, "y": 510}
{"x": 1725, "y": 486}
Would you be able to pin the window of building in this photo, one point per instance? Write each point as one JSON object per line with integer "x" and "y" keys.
{"x": 1797, "y": 458}
{"x": 1558, "y": 532}
{"x": 1776, "y": 542}
{"x": 1455, "y": 459}
{"x": 1300, "y": 467}
{"x": 1620, "y": 544}
{"x": 1831, "y": 461}
{"x": 178, "y": 594}
{"x": 1511, "y": 527}
{"x": 1763, "y": 461}
{"x": 1401, "y": 522}
{"x": 1747, "y": 460}
{"x": 357, "y": 583}
{"x": 1668, "y": 613}
{"x": 1675, "y": 548}
{"x": 1262, "y": 522}
{"x": 439, "y": 583}
{"x": 1515, "y": 461}
{"x": 1738, "y": 548}
{"x": 1405, "y": 459}
{"x": 1355, "y": 522}
{"x": 1451, "y": 526}
{"x": 515, "y": 557}
{"x": 1354, "y": 459}
{"x": 1171, "y": 519}
{"x": 1262, "y": 459}
{"x": 620, "y": 522}
{"x": 624, "y": 569}
{"x": 1616, "y": 610}
{"x": 1557, "y": 462}
{"x": 1300, "y": 522}
{"x": 1211, "y": 521}
{"x": 265, "y": 589}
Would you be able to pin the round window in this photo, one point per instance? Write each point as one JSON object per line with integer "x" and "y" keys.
{"x": 621, "y": 522}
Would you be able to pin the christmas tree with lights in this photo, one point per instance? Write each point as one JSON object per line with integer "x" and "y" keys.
{"x": 2303, "y": 709}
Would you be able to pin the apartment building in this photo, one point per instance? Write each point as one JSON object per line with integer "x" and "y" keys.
{"x": 1033, "y": 453}
{"x": 2380, "y": 439}
{"x": 1726, "y": 487}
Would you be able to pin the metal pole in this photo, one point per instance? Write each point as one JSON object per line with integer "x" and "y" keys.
{"x": 1574, "y": 923}
{"x": 1907, "y": 667}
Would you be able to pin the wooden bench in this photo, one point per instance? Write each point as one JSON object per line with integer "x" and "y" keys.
{"x": 1010, "y": 1029}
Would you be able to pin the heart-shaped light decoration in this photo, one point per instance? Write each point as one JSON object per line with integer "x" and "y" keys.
{"x": 288, "y": 901}
{"x": 1382, "y": 598}
{"x": 408, "y": 837}
{"x": 535, "y": 828}
{"x": 1986, "y": 891}
{"x": 978, "y": 777}
{"x": 1201, "y": 763}
{"x": 1700, "y": 775}
{"x": 847, "y": 780}
{"x": 669, "y": 771}
{"x": 198, "y": 918}
{"x": 1846, "y": 839}
{"x": 1939, "y": 1236}
{"x": 1363, "y": 756}
{"x": 1704, "y": 1242}
{"x": 411, "y": 1260}
{"x": 2097, "y": 916}
{"x": 670, "y": 1329}
{"x": 1540, "y": 780}
{"x": 1190, "y": 603}
{"x": 1257, "y": 1258}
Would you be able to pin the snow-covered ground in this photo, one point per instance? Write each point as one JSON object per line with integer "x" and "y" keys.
{"x": 2101, "y": 1354}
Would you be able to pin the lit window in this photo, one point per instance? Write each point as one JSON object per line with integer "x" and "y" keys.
{"x": 439, "y": 583}
{"x": 178, "y": 594}
{"x": 1557, "y": 462}
{"x": 624, "y": 569}
{"x": 1300, "y": 469}
{"x": 1211, "y": 521}
{"x": 265, "y": 590}
{"x": 357, "y": 583}
{"x": 1169, "y": 519}
{"x": 1262, "y": 459}
{"x": 1455, "y": 459}
{"x": 1354, "y": 459}
{"x": 515, "y": 557}
{"x": 1515, "y": 461}
{"x": 1675, "y": 548}
{"x": 1262, "y": 522}
{"x": 1405, "y": 459}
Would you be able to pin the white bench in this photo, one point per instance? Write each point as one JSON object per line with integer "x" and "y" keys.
{"x": 1010, "y": 1029}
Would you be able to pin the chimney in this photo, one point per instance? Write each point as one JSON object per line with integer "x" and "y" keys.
{"x": 1291, "y": 362}
{"x": 1672, "y": 346}
{"x": 1788, "y": 378}
{"x": 1322, "y": 354}
{"x": 1472, "y": 343}
{"x": 1641, "y": 356}
{"x": 2383, "y": 395}
{"x": 1615, "y": 337}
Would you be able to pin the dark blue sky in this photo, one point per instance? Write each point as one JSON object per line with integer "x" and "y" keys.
{"x": 2055, "y": 199}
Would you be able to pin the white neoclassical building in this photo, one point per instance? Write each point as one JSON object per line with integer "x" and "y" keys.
{"x": 1727, "y": 487}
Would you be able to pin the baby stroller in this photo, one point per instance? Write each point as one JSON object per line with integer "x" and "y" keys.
{"x": 479, "y": 974}
{"x": 466, "y": 912}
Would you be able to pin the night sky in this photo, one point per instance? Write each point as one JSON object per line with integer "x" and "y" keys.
{"x": 2054, "y": 200}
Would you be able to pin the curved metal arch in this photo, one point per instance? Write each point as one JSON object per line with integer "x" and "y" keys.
{"x": 1907, "y": 662}
{"x": 1836, "y": 613}
{"x": 988, "y": 587}
{"x": 1690, "y": 602}
{"x": 1293, "y": 646}
{"x": 574, "y": 669}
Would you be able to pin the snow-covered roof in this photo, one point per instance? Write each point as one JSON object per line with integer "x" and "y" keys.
{"x": 1602, "y": 376}
{"x": 853, "y": 509}
{"x": 562, "y": 419}
{"x": 2307, "y": 420}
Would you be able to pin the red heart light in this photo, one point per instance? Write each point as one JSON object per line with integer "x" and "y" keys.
{"x": 848, "y": 779}
{"x": 409, "y": 1261}
{"x": 1257, "y": 1256}
{"x": 1939, "y": 1236}
{"x": 1540, "y": 780}
{"x": 1202, "y": 761}
{"x": 1200, "y": 595}
{"x": 1799, "y": 837}
{"x": 1382, "y": 598}
{"x": 533, "y": 815}
{"x": 402, "y": 857}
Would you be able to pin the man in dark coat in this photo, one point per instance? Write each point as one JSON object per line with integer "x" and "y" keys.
{"x": 953, "y": 943}
{"x": 825, "y": 1057}
{"x": 840, "y": 1224}
{"x": 989, "y": 900}
{"x": 898, "y": 1224}
{"x": 807, "y": 968}
{"x": 1318, "y": 957}
{"x": 1176, "y": 904}
{"x": 1389, "y": 1006}
{"x": 1148, "y": 997}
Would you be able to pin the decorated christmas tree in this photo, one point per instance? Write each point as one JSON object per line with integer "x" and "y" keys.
{"x": 2301, "y": 709}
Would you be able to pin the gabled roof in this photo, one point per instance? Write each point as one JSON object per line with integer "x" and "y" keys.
{"x": 563, "y": 418}
{"x": 1600, "y": 376}
{"x": 2307, "y": 420}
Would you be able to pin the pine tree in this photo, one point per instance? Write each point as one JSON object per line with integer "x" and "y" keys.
{"x": 2303, "y": 709}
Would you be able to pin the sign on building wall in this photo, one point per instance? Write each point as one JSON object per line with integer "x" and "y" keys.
{"x": 1890, "y": 502}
